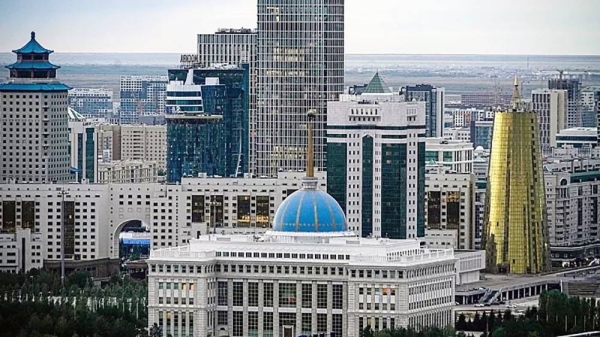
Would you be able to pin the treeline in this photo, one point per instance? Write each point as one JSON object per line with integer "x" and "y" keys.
{"x": 35, "y": 305}
{"x": 556, "y": 315}
{"x": 402, "y": 332}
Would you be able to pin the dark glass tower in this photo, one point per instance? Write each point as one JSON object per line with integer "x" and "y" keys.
{"x": 434, "y": 106}
{"x": 207, "y": 122}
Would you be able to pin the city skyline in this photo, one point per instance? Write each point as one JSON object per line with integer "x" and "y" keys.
{"x": 463, "y": 27}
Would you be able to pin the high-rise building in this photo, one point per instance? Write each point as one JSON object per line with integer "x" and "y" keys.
{"x": 234, "y": 47}
{"x": 573, "y": 117}
{"x": 481, "y": 133}
{"x": 92, "y": 102}
{"x": 207, "y": 122}
{"x": 434, "y": 99}
{"x": 133, "y": 142}
{"x": 550, "y": 105}
{"x": 515, "y": 219}
{"x": 456, "y": 155}
{"x": 83, "y": 147}
{"x": 142, "y": 96}
{"x": 450, "y": 205}
{"x": 33, "y": 114}
{"x": 300, "y": 67}
{"x": 376, "y": 162}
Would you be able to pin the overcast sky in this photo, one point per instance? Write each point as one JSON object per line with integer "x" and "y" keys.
{"x": 563, "y": 27}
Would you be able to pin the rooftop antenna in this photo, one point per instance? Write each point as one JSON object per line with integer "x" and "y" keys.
{"x": 516, "y": 97}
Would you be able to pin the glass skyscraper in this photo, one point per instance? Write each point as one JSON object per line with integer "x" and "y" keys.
{"x": 300, "y": 67}
{"x": 515, "y": 215}
{"x": 207, "y": 122}
{"x": 434, "y": 106}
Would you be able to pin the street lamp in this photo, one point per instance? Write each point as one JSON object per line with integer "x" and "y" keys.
{"x": 62, "y": 237}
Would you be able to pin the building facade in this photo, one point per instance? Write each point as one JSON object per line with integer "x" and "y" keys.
{"x": 33, "y": 114}
{"x": 573, "y": 117}
{"x": 585, "y": 138}
{"x": 376, "y": 162}
{"x": 300, "y": 59}
{"x": 97, "y": 213}
{"x": 456, "y": 155}
{"x": 208, "y": 122}
{"x": 481, "y": 133}
{"x": 435, "y": 105}
{"x": 460, "y": 134}
{"x": 145, "y": 143}
{"x": 141, "y": 96}
{"x": 83, "y": 147}
{"x": 127, "y": 172}
{"x": 92, "y": 102}
{"x": 233, "y": 47}
{"x": 515, "y": 218}
{"x": 550, "y": 105}
{"x": 450, "y": 205}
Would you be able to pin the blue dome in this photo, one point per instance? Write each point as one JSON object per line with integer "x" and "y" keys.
{"x": 310, "y": 210}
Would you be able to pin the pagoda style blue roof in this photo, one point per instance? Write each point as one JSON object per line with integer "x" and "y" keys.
{"x": 33, "y": 47}
{"x": 34, "y": 87}
{"x": 32, "y": 65}
{"x": 310, "y": 210}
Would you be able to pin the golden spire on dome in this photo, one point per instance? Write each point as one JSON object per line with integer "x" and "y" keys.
{"x": 310, "y": 166}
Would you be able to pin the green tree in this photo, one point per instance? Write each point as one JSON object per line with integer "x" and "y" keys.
{"x": 499, "y": 333}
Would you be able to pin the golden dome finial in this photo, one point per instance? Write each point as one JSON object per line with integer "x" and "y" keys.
{"x": 516, "y": 97}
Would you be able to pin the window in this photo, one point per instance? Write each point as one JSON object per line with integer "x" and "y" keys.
{"x": 268, "y": 319}
{"x": 238, "y": 323}
{"x": 222, "y": 317}
{"x": 321, "y": 296}
{"x": 307, "y": 324}
{"x": 268, "y": 297}
{"x": 322, "y": 323}
{"x": 287, "y": 295}
{"x": 222, "y": 292}
{"x": 307, "y": 295}
{"x": 253, "y": 294}
{"x": 337, "y": 296}
{"x": 253, "y": 323}
{"x": 238, "y": 294}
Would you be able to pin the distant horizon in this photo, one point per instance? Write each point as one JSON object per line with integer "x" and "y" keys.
{"x": 380, "y": 54}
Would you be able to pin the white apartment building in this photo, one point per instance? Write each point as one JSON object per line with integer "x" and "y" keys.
{"x": 92, "y": 102}
{"x": 551, "y": 108}
{"x": 461, "y": 134}
{"x": 132, "y": 142}
{"x": 461, "y": 118}
{"x": 144, "y": 142}
{"x": 584, "y": 138}
{"x": 450, "y": 205}
{"x": 457, "y": 155}
{"x": 96, "y": 214}
{"x": 127, "y": 171}
{"x": 375, "y": 167}
{"x": 13, "y": 259}
{"x": 141, "y": 96}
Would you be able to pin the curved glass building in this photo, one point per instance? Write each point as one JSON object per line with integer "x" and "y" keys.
{"x": 515, "y": 216}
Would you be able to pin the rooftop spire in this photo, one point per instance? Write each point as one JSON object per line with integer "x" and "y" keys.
{"x": 310, "y": 166}
{"x": 33, "y": 35}
{"x": 516, "y": 97}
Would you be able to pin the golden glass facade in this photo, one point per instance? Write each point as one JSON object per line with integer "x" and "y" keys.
{"x": 515, "y": 216}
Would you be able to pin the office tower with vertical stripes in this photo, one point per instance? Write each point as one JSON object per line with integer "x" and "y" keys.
{"x": 376, "y": 162}
{"x": 300, "y": 67}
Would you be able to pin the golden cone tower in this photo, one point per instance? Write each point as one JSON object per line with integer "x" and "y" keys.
{"x": 515, "y": 237}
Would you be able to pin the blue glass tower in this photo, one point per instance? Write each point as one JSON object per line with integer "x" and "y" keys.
{"x": 207, "y": 113}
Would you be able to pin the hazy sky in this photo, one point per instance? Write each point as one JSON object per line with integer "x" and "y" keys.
{"x": 372, "y": 26}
